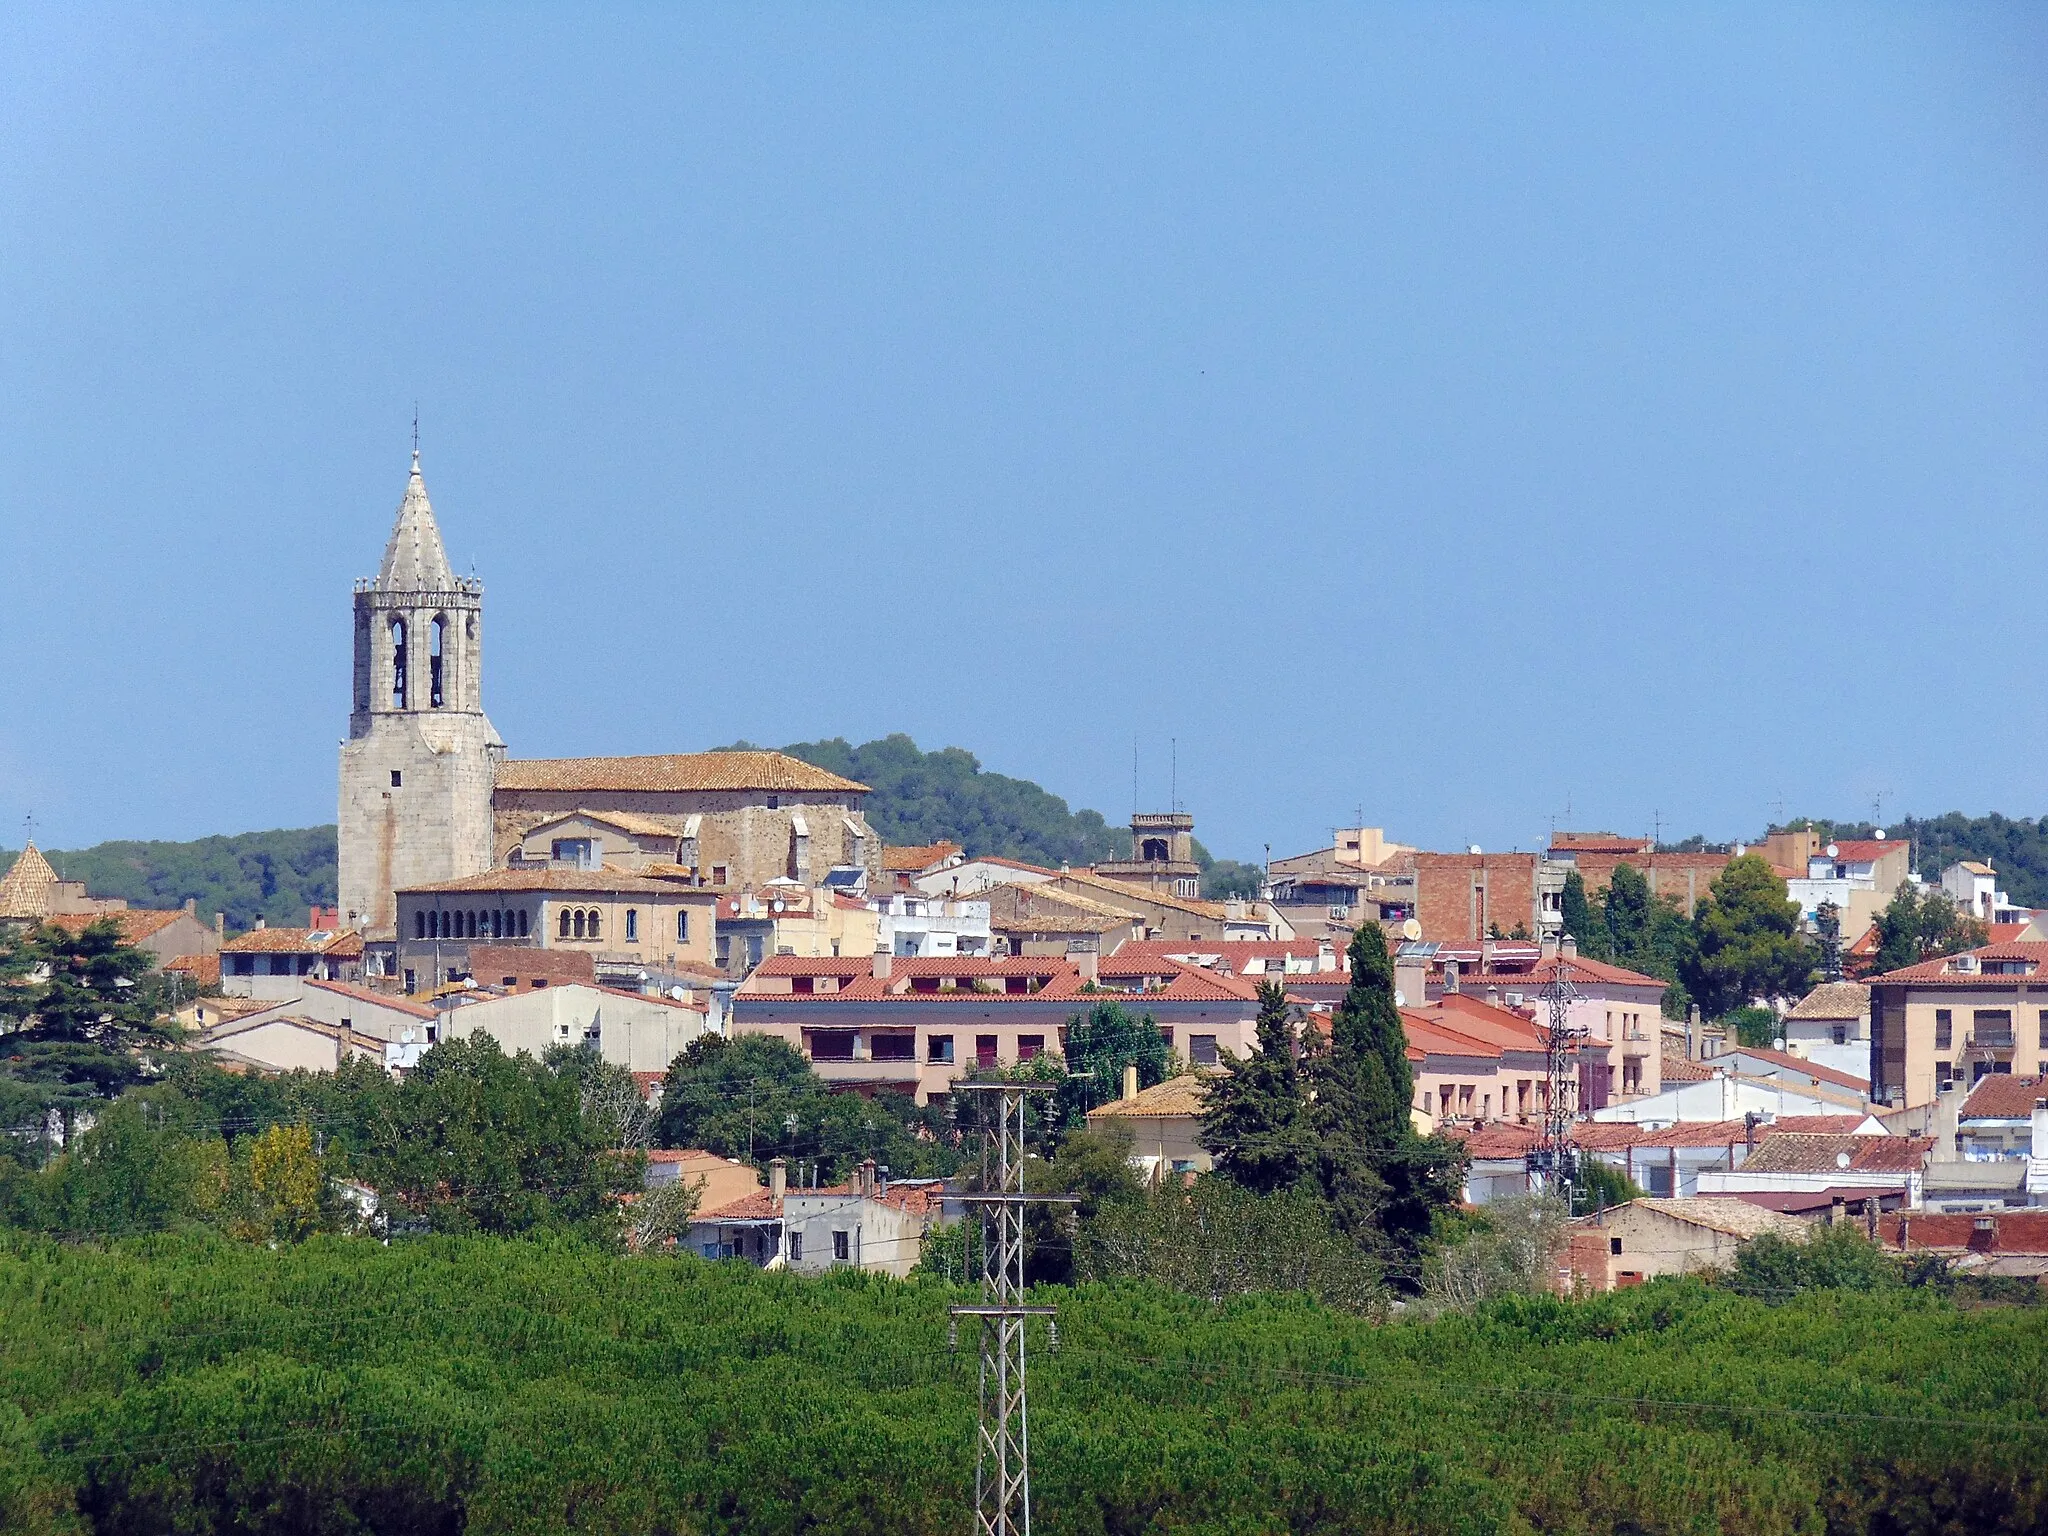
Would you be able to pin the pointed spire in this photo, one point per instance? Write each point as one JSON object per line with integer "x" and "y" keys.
{"x": 414, "y": 560}
{"x": 25, "y": 889}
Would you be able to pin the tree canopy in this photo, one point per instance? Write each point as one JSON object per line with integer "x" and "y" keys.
{"x": 1915, "y": 927}
{"x": 1257, "y": 1123}
{"x": 1747, "y": 943}
{"x": 273, "y": 875}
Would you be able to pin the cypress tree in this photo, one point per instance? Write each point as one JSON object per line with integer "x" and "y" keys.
{"x": 1257, "y": 1123}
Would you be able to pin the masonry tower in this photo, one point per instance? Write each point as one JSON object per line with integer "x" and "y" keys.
{"x": 421, "y": 757}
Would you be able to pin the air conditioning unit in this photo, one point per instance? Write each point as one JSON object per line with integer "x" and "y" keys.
{"x": 1964, "y": 964}
{"x": 1340, "y": 914}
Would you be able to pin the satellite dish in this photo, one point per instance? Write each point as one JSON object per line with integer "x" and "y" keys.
{"x": 1778, "y": 1044}
{"x": 1834, "y": 851}
{"x": 1878, "y": 834}
{"x": 1411, "y": 930}
{"x": 1400, "y": 998}
{"x": 1841, "y": 1159}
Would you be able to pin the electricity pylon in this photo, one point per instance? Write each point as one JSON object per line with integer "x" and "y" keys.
{"x": 1002, "y": 1459}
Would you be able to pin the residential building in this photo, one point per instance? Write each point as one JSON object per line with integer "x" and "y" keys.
{"x": 1860, "y": 1167}
{"x": 277, "y": 962}
{"x": 734, "y": 820}
{"x": 165, "y": 936}
{"x": 1162, "y": 855}
{"x": 721, "y": 1180}
{"x": 1994, "y": 1243}
{"x": 1170, "y": 916}
{"x": 638, "y": 929}
{"x": 1727, "y": 1093}
{"x": 1043, "y": 919}
{"x": 924, "y": 927}
{"x": 1831, "y": 1026}
{"x": 32, "y": 891}
{"x": 526, "y": 968}
{"x": 914, "y": 1025}
{"x": 1990, "y": 1144}
{"x": 1468, "y": 896}
{"x": 1973, "y": 887}
{"x": 784, "y": 918}
{"x": 1786, "y": 1066}
{"x": 1645, "y": 1239}
{"x": 1165, "y": 1122}
{"x": 1957, "y": 1018}
{"x": 906, "y": 869}
{"x": 277, "y": 1040}
{"x": 315, "y": 1028}
{"x": 1683, "y": 878}
{"x": 1667, "y": 1160}
{"x": 872, "y": 1223}
{"x": 627, "y": 1029}
{"x": 421, "y": 756}
{"x": 970, "y": 877}
{"x": 1858, "y": 877}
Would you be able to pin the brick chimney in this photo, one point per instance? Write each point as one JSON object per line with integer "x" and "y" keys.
{"x": 1130, "y": 1081}
{"x": 778, "y": 1180}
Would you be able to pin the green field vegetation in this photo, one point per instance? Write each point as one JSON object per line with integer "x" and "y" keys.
{"x": 448, "y": 1384}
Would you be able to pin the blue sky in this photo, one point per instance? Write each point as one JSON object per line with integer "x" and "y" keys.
{"x": 1454, "y": 412}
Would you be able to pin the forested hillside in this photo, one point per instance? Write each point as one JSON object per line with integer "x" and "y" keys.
{"x": 2015, "y": 846}
{"x": 273, "y": 875}
{"x": 490, "y": 1385}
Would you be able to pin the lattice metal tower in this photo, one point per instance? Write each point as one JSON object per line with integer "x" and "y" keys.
{"x": 1556, "y": 1158}
{"x": 1002, "y": 1461}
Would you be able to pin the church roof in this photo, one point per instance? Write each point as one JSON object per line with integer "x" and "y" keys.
{"x": 25, "y": 889}
{"x": 675, "y": 771}
{"x": 414, "y": 560}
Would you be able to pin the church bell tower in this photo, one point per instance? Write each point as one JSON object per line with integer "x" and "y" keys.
{"x": 421, "y": 757}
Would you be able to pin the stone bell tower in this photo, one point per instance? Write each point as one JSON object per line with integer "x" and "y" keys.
{"x": 421, "y": 757}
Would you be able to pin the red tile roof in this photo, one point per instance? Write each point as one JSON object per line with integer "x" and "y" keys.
{"x": 719, "y": 771}
{"x": 203, "y": 969}
{"x": 135, "y": 923}
{"x": 1863, "y": 850}
{"x": 259, "y": 941}
{"x": 1791, "y": 1063}
{"x": 1938, "y": 971}
{"x": 381, "y": 999}
{"x": 1599, "y": 842}
{"x": 924, "y": 857}
{"x": 2004, "y": 1096}
{"x": 1799, "y": 1152}
{"x": 2009, "y": 1232}
{"x": 1580, "y": 969}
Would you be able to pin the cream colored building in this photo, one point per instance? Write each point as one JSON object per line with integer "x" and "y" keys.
{"x": 641, "y": 1034}
{"x": 1649, "y": 1237}
{"x": 734, "y": 820}
{"x": 1165, "y": 1122}
{"x": 629, "y": 924}
{"x": 1956, "y": 1019}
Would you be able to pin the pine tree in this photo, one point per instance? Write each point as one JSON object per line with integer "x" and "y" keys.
{"x": 1257, "y": 1123}
{"x": 1383, "y": 1182}
{"x": 1580, "y": 920}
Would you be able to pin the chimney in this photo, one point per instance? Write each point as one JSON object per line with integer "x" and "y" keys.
{"x": 1550, "y": 946}
{"x": 1085, "y": 954}
{"x": 1838, "y": 1213}
{"x": 1486, "y": 954}
{"x": 867, "y": 1178}
{"x": 259, "y": 925}
{"x": 1450, "y": 975}
{"x": 220, "y": 925}
{"x": 1493, "y": 997}
{"x": 1130, "y": 1081}
{"x": 191, "y": 906}
{"x": 778, "y": 1180}
{"x": 1568, "y": 947}
{"x": 884, "y": 963}
{"x": 1411, "y": 981}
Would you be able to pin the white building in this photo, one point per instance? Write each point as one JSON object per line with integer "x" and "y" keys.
{"x": 1973, "y": 887}
{"x": 629, "y": 1029}
{"x": 927, "y": 926}
{"x": 1730, "y": 1095}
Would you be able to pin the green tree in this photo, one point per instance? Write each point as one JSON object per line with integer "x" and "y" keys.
{"x": 284, "y": 1184}
{"x": 1257, "y": 1122}
{"x": 1100, "y": 1044}
{"x": 1775, "y": 1269}
{"x": 1384, "y": 1184}
{"x": 1746, "y": 941}
{"x": 1579, "y": 919}
{"x": 1753, "y": 1026}
{"x": 1913, "y": 927}
{"x": 136, "y": 1170}
{"x": 1225, "y": 879}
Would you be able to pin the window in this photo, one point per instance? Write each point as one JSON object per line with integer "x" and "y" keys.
{"x": 565, "y": 923}
{"x": 1944, "y": 1029}
{"x": 632, "y": 926}
{"x": 796, "y": 1247}
{"x": 753, "y": 949}
{"x": 1030, "y": 1047}
{"x": 1166, "y": 1034}
{"x": 1992, "y": 1027}
{"x": 397, "y": 778}
{"x": 576, "y": 925}
{"x": 683, "y": 926}
{"x": 538, "y": 982}
{"x": 1841, "y": 1034}
{"x": 522, "y": 922}
{"x": 245, "y": 965}
{"x": 839, "y": 1247}
{"x": 939, "y": 1048}
{"x": 722, "y": 947}
{"x": 718, "y": 874}
{"x": 893, "y": 1047}
{"x": 280, "y": 965}
{"x": 1944, "y": 1076}
{"x": 419, "y": 925}
{"x": 410, "y": 984}
{"x": 436, "y": 633}
{"x": 775, "y": 802}
{"x": 397, "y": 672}
{"x": 1614, "y": 1245}
{"x": 984, "y": 1050}
{"x": 1202, "y": 1050}
{"x": 2044, "y": 1029}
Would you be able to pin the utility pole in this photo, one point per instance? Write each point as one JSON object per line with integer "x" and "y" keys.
{"x": 1002, "y": 1459}
{"x": 1555, "y": 1159}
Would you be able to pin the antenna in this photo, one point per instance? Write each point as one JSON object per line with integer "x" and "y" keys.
{"x": 1877, "y": 808}
{"x": 1656, "y": 829}
{"x": 415, "y": 429}
{"x": 1173, "y": 774}
{"x": 1134, "y": 775}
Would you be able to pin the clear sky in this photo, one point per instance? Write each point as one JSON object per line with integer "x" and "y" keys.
{"x": 1453, "y": 412}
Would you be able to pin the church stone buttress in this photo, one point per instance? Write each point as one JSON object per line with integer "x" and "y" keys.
{"x": 421, "y": 759}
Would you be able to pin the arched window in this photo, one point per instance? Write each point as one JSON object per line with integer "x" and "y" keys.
{"x": 565, "y": 922}
{"x": 522, "y": 922}
{"x": 437, "y": 634}
{"x": 419, "y": 925}
{"x": 469, "y": 925}
{"x": 683, "y": 925}
{"x": 632, "y": 926}
{"x": 579, "y": 925}
{"x": 398, "y": 663}
{"x": 594, "y": 925}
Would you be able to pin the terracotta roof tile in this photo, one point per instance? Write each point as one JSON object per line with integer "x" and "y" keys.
{"x": 1834, "y": 1000}
{"x": 1798, "y": 1152}
{"x": 2020, "y": 1231}
{"x": 1723, "y": 1213}
{"x": 288, "y": 941}
{"x": 912, "y": 860}
{"x": 532, "y": 877}
{"x": 1177, "y": 1097}
{"x": 704, "y": 771}
{"x": 1939, "y": 971}
{"x": 135, "y": 923}
{"x": 2004, "y": 1096}
{"x": 203, "y": 969}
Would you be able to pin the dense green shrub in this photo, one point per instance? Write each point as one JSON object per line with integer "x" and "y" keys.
{"x": 191, "y": 1384}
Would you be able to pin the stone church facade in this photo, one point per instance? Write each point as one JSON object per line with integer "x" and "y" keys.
{"x": 427, "y": 795}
